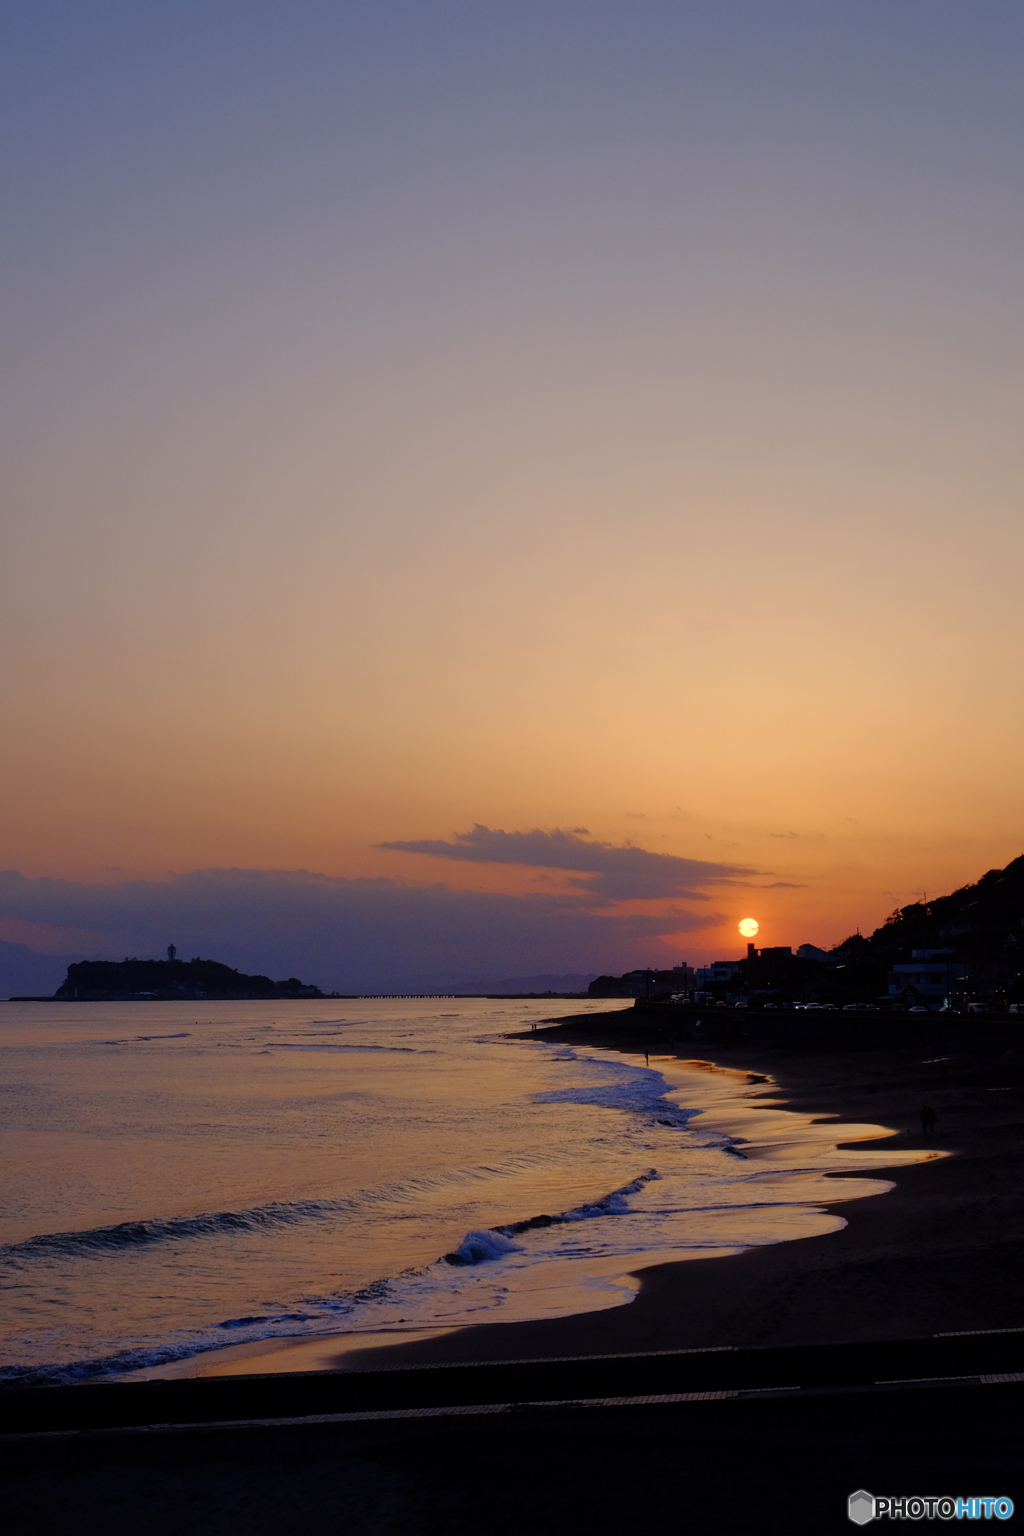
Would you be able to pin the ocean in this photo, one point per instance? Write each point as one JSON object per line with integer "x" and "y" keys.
{"x": 184, "y": 1176}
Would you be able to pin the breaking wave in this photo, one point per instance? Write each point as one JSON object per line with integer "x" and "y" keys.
{"x": 262, "y": 1218}
{"x": 477, "y": 1247}
{"x": 137, "y": 1234}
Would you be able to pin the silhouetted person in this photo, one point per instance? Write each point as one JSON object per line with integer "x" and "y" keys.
{"x": 647, "y": 1059}
{"x": 928, "y": 1119}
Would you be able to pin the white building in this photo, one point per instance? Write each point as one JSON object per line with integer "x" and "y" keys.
{"x": 929, "y": 976}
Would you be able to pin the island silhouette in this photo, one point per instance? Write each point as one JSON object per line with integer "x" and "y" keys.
{"x": 170, "y": 979}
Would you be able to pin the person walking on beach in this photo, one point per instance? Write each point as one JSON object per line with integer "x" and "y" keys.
{"x": 647, "y": 1059}
{"x": 928, "y": 1119}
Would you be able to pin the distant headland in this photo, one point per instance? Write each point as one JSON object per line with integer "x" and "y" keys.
{"x": 170, "y": 980}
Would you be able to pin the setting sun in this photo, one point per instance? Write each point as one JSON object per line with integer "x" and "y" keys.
{"x": 748, "y": 927}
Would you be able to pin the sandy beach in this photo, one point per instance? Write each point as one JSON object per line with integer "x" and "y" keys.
{"x": 942, "y": 1251}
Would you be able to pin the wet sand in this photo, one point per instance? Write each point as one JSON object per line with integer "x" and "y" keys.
{"x": 942, "y": 1251}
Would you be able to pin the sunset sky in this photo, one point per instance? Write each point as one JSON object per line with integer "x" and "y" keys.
{"x": 594, "y": 422}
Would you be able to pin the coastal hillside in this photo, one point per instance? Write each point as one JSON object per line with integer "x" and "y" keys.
{"x": 973, "y": 937}
{"x": 975, "y": 933}
{"x": 970, "y": 942}
{"x": 986, "y": 917}
{"x": 981, "y": 924}
{"x": 95, "y": 980}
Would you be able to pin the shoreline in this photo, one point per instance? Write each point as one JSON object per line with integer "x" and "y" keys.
{"x": 875, "y": 1278}
{"x": 942, "y": 1252}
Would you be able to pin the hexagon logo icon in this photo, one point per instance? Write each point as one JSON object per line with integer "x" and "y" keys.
{"x": 861, "y": 1507}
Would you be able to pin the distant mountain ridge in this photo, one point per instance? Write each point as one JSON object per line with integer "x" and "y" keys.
{"x": 95, "y": 980}
{"x": 26, "y": 971}
{"x": 574, "y": 981}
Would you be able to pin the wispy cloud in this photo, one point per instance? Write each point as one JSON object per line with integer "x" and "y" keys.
{"x": 614, "y": 871}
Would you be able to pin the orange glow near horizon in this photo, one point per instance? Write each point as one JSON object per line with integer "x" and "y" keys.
{"x": 399, "y": 463}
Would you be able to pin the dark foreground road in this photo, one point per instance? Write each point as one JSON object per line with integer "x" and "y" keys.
{"x": 728, "y": 1441}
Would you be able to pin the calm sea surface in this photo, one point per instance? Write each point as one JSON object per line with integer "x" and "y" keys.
{"x": 177, "y": 1180}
